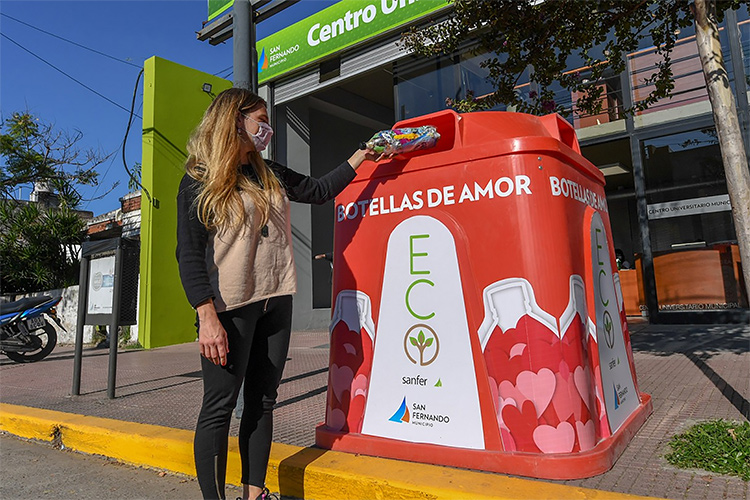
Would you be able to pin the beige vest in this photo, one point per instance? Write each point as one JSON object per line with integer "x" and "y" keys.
{"x": 245, "y": 267}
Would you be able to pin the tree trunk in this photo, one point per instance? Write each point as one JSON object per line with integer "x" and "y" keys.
{"x": 727, "y": 126}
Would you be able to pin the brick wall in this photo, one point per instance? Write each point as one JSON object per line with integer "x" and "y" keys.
{"x": 131, "y": 203}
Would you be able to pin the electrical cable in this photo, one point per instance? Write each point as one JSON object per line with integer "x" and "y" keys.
{"x": 125, "y": 140}
{"x": 70, "y": 41}
{"x": 111, "y": 162}
{"x": 64, "y": 73}
{"x": 99, "y": 183}
{"x": 223, "y": 70}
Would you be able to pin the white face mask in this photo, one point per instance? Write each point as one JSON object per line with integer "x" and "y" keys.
{"x": 262, "y": 138}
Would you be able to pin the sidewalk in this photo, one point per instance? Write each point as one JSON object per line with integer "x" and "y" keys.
{"x": 692, "y": 373}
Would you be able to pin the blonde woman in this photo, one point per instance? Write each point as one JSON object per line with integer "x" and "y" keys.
{"x": 234, "y": 248}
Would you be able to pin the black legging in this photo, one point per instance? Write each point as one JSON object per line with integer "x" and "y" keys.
{"x": 258, "y": 344}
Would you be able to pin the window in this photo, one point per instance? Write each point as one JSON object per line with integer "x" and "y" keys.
{"x": 423, "y": 89}
{"x": 689, "y": 83}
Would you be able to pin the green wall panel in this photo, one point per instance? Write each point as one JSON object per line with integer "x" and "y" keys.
{"x": 173, "y": 104}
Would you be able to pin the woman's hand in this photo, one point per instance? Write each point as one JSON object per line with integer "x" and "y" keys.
{"x": 361, "y": 155}
{"x": 211, "y": 334}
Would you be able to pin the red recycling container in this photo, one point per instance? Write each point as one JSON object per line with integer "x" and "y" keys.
{"x": 478, "y": 318}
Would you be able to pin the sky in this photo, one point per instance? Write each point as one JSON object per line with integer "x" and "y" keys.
{"x": 129, "y": 32}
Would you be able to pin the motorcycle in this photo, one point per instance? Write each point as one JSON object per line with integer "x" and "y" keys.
{"x": 25, "y": 334}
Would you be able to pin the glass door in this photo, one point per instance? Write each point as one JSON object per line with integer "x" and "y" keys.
{"x": 693, "y": 241}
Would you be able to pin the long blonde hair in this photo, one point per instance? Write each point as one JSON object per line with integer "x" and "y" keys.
{"x": 215, "y": 161}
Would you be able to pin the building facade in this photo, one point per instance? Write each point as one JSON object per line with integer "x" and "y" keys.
{"x": 666, "y": 191}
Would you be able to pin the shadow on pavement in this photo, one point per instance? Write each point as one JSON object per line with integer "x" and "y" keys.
{"x": 304, "y": 375}
{"x": 145, "y": 391}
{"x": 698, "y": 343}
{"x": 665, "y": 340}
{"x": 301, "y": 397}
{"x": 87, "y": 353}
{"x": 726, "y": 389}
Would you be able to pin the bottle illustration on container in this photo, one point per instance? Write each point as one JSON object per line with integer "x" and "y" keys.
{"x": 539, "y": 372}
{"x": 353, "y": 333}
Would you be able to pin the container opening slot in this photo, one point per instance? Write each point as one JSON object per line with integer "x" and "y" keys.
{"x": 446, "y": 124}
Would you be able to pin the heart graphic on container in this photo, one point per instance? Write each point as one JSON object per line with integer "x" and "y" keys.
{"x": 558, "y": 439}
{"x": 538, "y": 387}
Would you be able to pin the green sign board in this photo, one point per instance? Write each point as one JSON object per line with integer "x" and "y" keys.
{"x": 216, "y": 7}
{"x": 333, "y": 29}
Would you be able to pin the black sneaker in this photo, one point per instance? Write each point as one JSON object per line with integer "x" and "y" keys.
{"x": 267, "y": 495}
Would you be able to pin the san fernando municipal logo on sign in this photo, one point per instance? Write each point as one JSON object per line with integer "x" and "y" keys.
{"x": 402, "y": 414}
{"x": 262, "y": 61}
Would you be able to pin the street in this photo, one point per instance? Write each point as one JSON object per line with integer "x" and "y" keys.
{"x": 37, "y": 470}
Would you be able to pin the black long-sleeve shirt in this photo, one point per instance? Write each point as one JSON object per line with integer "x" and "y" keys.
{"x": 226, "y": 267}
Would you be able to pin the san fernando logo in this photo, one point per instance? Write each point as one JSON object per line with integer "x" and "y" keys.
{"x": 402, "y": 414}
{"x": 262, "y": 61}
{"x": 617, "y": 397}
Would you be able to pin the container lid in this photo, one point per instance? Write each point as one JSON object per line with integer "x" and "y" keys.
{"x": 483, "y": 134}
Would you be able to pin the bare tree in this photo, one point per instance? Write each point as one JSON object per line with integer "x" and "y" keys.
{"x": 35, "y": 153}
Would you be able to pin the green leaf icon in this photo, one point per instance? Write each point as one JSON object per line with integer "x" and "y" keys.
{"x": 421, "y": 337}
{"x": 413, "y": 341}
{"x": 439, "y": 383}
{"x": 428, "y": 343}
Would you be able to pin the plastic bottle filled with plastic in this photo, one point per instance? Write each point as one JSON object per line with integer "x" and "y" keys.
{"x": 402, "y": 140}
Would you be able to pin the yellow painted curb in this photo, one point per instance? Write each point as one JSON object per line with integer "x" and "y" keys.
{"x": 139, "y": 444}
{"x": 299, "y": 472}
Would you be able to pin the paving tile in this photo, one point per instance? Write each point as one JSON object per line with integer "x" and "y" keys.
{"x": 738, "y": 490}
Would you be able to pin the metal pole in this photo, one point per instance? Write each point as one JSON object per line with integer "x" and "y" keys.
{"x": 82, "y": 299}
{"x": 244, "y": 52}
{"x": 114, "y": 338}
{"x": 639, "y": 186}
{"x": 641, "y": 204}
{"x": 253, "y": 51}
